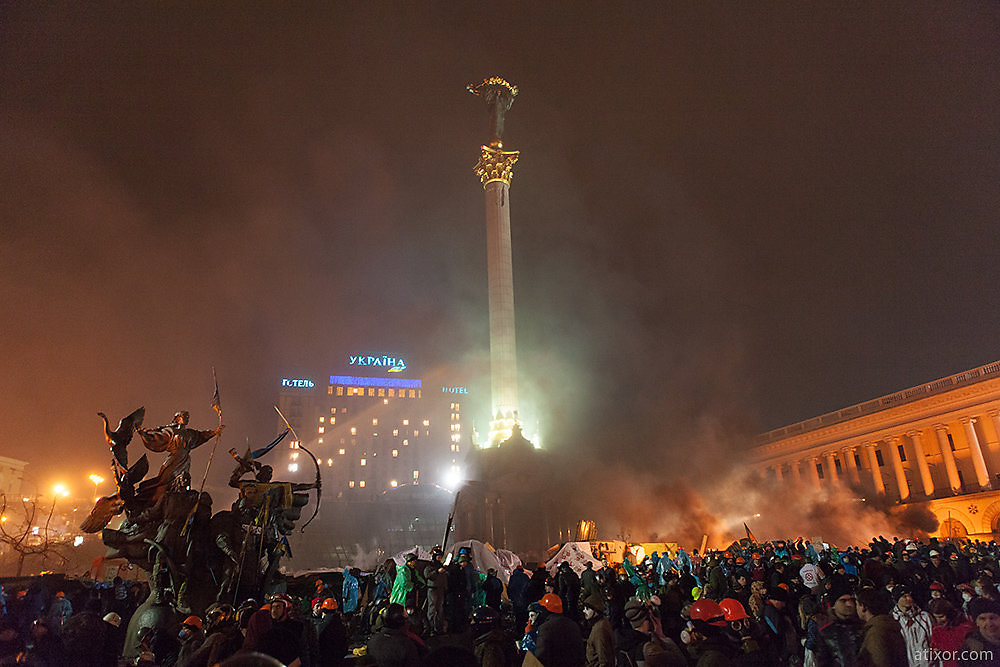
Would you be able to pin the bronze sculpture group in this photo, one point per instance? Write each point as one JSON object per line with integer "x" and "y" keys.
{"x": 194, "y": 558}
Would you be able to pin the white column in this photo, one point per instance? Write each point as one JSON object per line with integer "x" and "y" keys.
{"x": 852, "y": 465}
{"x": 897, "y": 466}
{"x": 925, "y": 471}
{"x": 778, "y": 472}
{"x": 876, "y": 473}
{"x": 813, "y": 472}
{"x": 948, "y": 457}
{"x": 797, "y": 472}
{"x": 831, "y": 462}
{"x": 978, "y": 462}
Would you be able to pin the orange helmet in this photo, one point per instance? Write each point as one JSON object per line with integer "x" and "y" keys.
{"x": 330, "y": 604}
{"x": 733, "y": 609}
{"x": 708, "y": 611}
{"x": 552, "y": 603}
{"x": 193, "y": 621}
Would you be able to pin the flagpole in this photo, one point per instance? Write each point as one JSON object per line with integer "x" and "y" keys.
{"x": 217, "y": 406}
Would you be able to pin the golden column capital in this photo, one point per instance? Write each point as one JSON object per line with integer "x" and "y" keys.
{"x": 495, "y": 165}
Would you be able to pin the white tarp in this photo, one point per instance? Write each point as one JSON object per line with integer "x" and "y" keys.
{"x": 577, "y": 554}
{"x": 400, "y": 558}
{"x": 484, "y": 556}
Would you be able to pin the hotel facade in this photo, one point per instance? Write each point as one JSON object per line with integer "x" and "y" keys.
{"x": 937, "y": 444}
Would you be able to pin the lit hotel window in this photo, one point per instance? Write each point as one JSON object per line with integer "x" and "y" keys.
{"x": 416, "y": 474}
{"x": 320, "y": 441}
{"x": 322, "y": 419}
{"x": 333, "y": 411}
{"x": 427, "y": 422}
{"x": 416, "y": 433}
{"x": 329, "y": 462}
{"x": 392, "y": 392}
{"x": 364, "y": 462}
{"x": 395, "y": 432}
{"x": 371, "y": 391}
{"x": 395, "y": 453}
{"x": 406, "y": 422}
{"x": 381, "y": 392}
{"x": 393, "y": 484}
{"x": 405, "y": 443}
{"x": 452, "y": 406}
{"x": 457, "y": 406}
{"x": 333, "y": 420}
{"x": 340, "y": 391}
{"x": 340, "y": 451}
{"x": 413, "y": 394}
{"x": 351, "y": 484}
{"x": 321, "y": 429}
{"x": 354, "y": 430}
{"x": 361, "y": 484}
{"x": 385, "y": 401}
{"x": 329, "y": 390}
{"x": 374, "y": 421}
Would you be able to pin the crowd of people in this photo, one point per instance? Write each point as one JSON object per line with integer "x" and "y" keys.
{"x": 780, "y": 603}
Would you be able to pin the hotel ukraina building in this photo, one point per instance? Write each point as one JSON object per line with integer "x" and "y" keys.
{"x": 937, "y": 444}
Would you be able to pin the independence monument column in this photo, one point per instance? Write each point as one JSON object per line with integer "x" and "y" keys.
{"x": 495, "y": 169}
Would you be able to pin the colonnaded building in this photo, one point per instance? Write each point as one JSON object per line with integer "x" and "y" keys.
{"x": 937, "y": 444}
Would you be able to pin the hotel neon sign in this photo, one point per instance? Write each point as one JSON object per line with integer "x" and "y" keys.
{"x": 391, "y": 364}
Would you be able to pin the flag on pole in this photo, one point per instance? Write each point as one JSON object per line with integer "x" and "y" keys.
{"x": 749, "y": 534}
{"x": 216, "y": 403}
{"x": 257, "y": 453}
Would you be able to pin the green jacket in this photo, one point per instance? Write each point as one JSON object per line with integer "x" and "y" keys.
{"x": 402, "y": 585}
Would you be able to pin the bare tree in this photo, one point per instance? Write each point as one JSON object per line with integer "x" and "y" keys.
{"x": 21, "y": 538}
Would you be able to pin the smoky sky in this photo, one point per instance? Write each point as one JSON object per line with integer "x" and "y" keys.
{"x": 724, "y": 218}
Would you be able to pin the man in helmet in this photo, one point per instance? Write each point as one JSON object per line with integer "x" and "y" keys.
{"x": 331, "y": 634}
{"x": 191, "y": 636}
{"x": 560, "y": 643}
{"x": 285, "y": 639}
{"x": 391, "y": 645}
{"x": 708, "y": 639}
{"x": 436, "y": 576}
{"x": 223, "y": 637}
{"x": 489, "y": 644}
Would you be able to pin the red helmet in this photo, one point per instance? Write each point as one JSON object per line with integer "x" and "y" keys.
{"x": 330, "y": 604}
{"x": 708, "y": 611}
{"x": 733, "y": 609}
{"x": 552, "y": 603}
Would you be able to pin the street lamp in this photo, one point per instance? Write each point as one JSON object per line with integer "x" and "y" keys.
{"x": 97, "y": 480}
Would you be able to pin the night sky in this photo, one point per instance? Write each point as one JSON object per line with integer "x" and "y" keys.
{"x": 734, "y": 214}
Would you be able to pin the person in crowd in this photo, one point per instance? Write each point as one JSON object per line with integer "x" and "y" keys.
{"x": 750, "y": 651}
{"x": 838, "y": 640}
{"x": 191, "y": 636}
{"x": 916, "y": 626}
{"x": 493, "y": 589}
{"x": 331, "y": 634}
{"x": 709, "y": 641}
{"x": 949, "y": 631}
{"x": 436, "y": 576}
{"x": 490, "y": 646}
{"x": 392, "y": 645}
{"x": 982, "y": 645}
{"x": 568, "y": 589}
{"x": 560, "y": 643}
{"x": 285, "y": 638}
{"x": 882, "y": 643}
{"x": 780, "y": 639}
{"x": 517, "y": 590}
{"x": 45, "y": 647}
{"x": 600, "y": 651}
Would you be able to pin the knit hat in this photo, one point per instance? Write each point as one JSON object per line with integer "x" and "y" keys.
{"x": 900, "y": 591}
{"x": 778, "y": 594}
{"x": 636, "y": 613}
{"x": 595, "y": 602}
{"x": 983, "y": 606}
